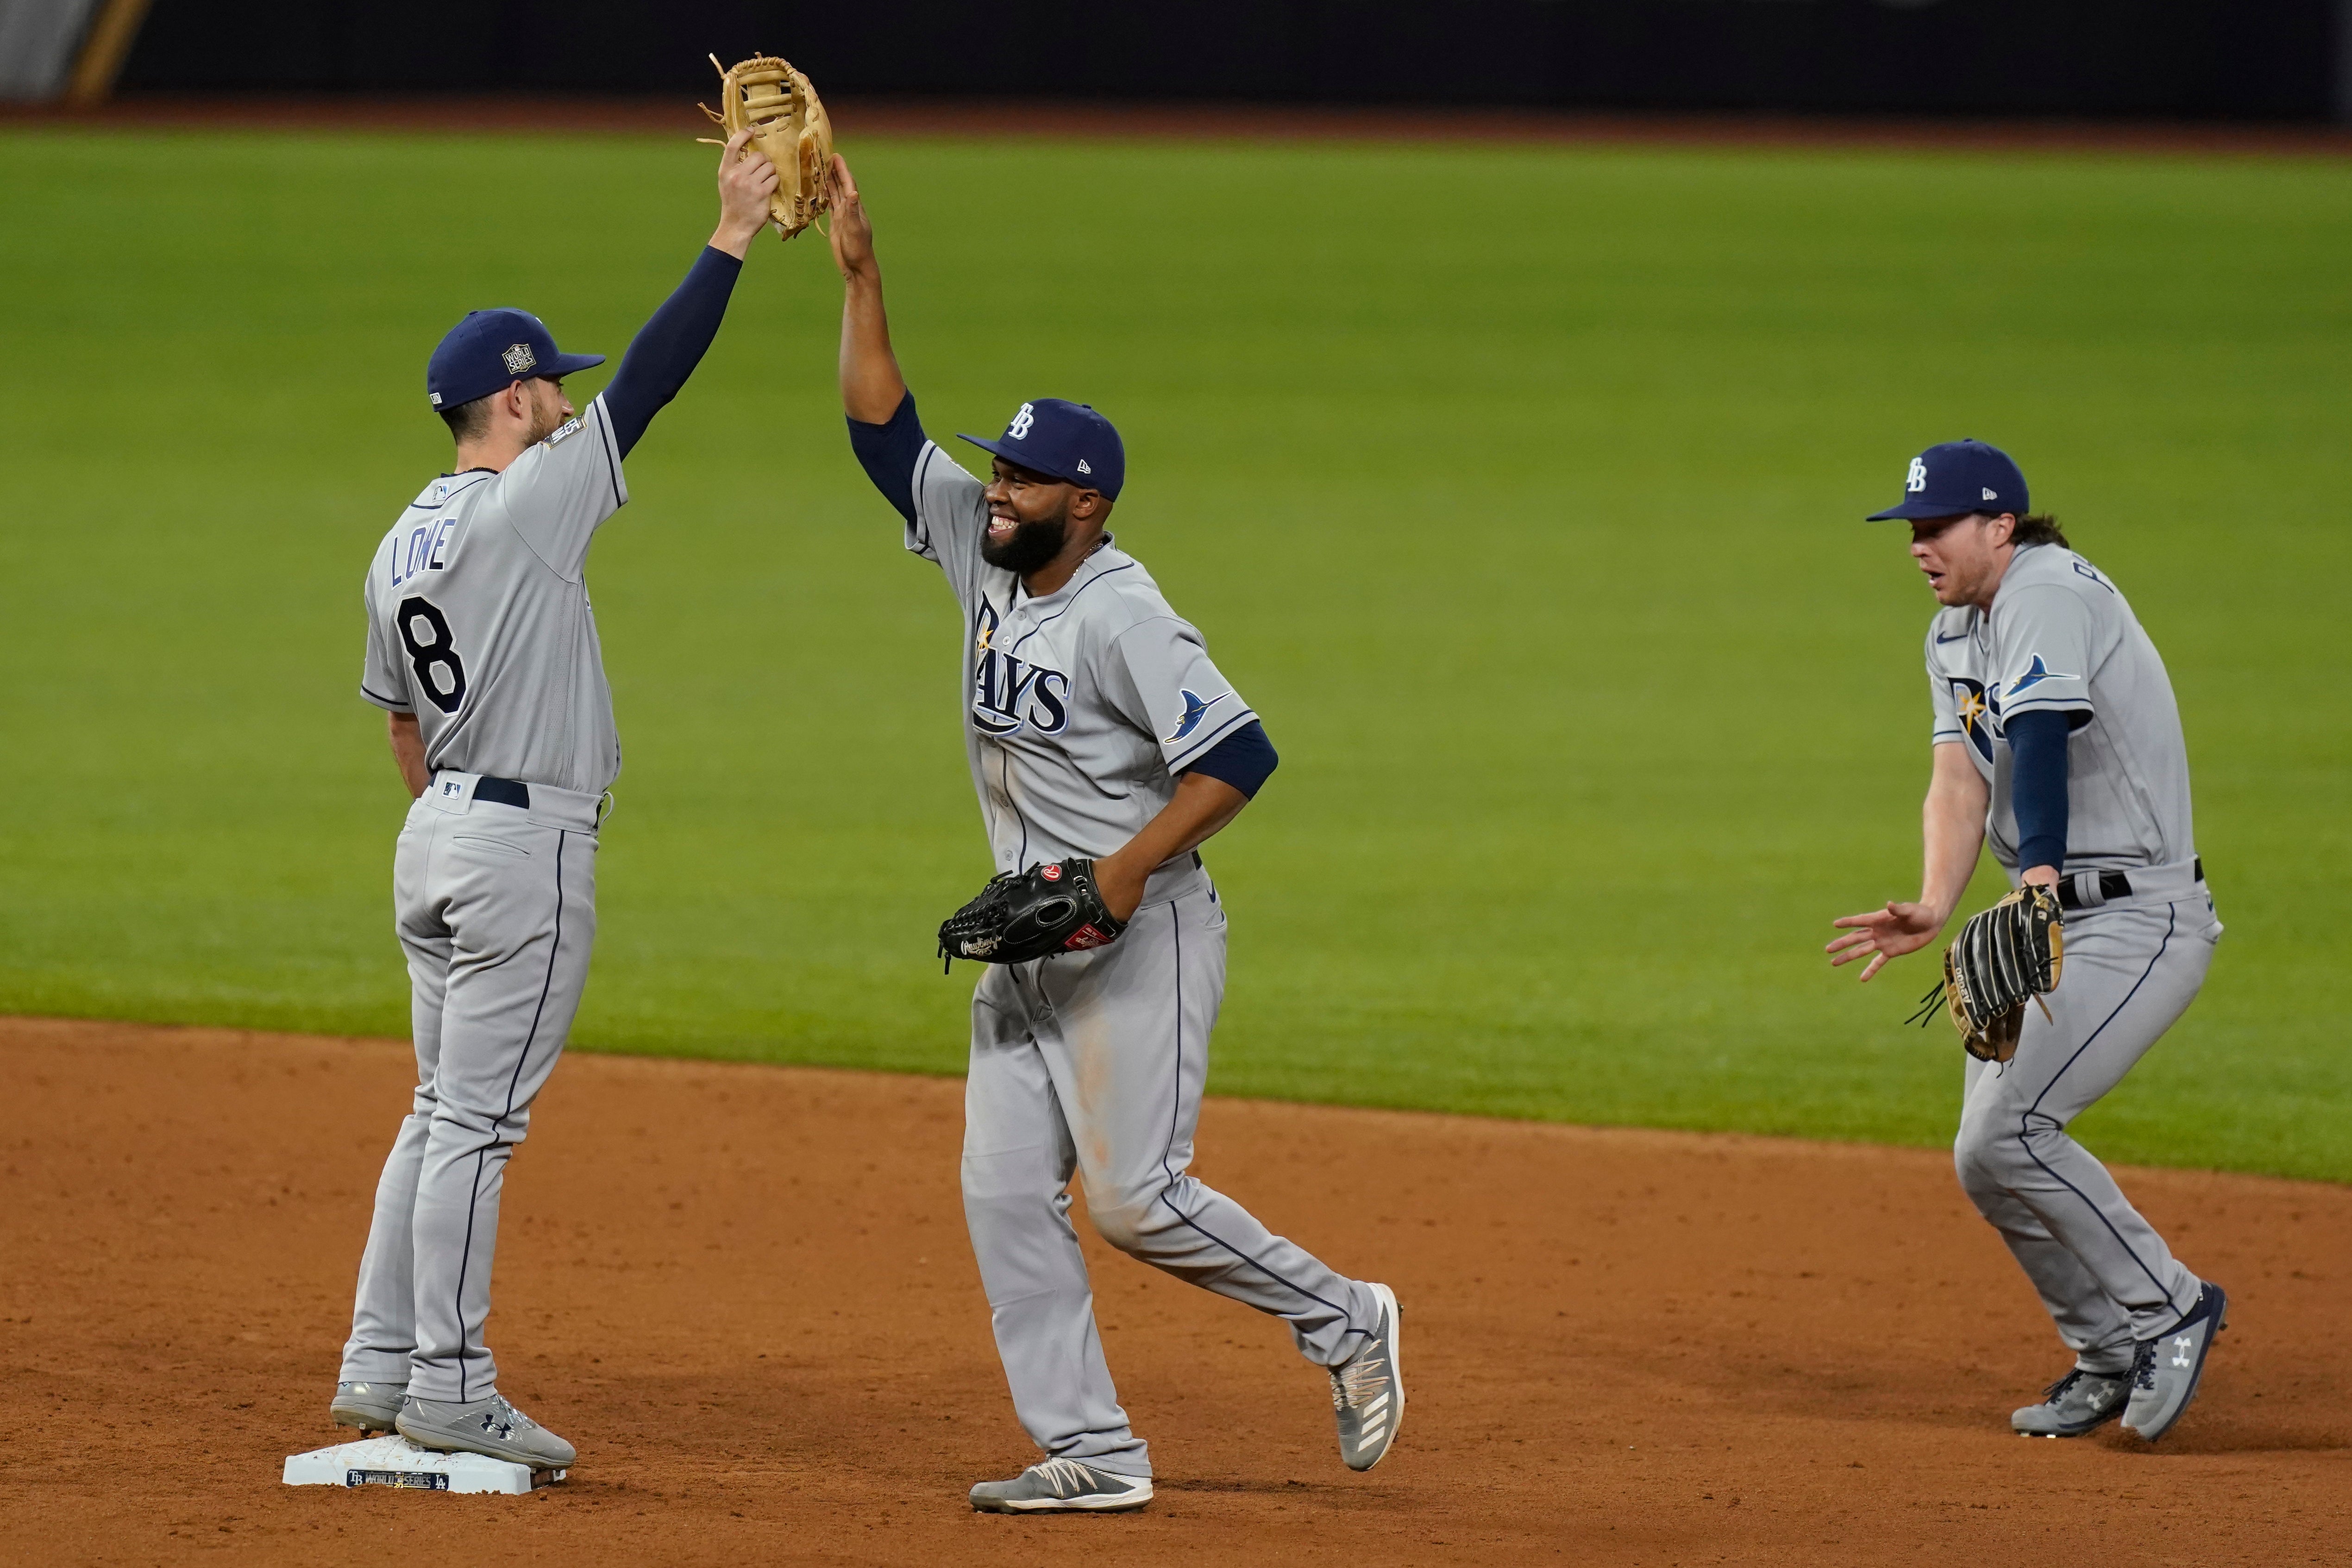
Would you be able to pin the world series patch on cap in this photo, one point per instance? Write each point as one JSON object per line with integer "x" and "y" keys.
{"x": 1960, "y": 477}
{"x": 488, "y": 351}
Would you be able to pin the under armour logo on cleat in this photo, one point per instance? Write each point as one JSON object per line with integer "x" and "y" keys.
{"x": 2181, "y": 1345}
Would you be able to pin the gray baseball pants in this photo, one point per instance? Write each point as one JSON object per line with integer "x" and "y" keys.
{"x": 1093, "y": 1064}
{"x": 2105, "y": 1274}
{"x": 496, "y": 909}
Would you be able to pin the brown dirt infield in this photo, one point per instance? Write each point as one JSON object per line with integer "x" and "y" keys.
{"x": 745, "y": 1294}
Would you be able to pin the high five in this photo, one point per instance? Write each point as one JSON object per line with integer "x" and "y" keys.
{"x": 1098, "y": 728}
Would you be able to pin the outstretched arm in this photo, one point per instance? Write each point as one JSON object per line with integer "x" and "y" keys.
{"x": 675, "y": 337}
{"x": 885, "y": 431}
{"x": 871, "y": 386}
{"x": 1952, "y": 826}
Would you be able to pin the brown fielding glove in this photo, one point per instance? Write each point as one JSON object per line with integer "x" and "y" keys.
{"x": 2004, "y": 956}
{"x": 776, "y": 104}
{"x": 1043, "y": 912}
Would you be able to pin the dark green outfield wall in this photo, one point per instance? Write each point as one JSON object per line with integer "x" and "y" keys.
{"x": 2277, "y": 60}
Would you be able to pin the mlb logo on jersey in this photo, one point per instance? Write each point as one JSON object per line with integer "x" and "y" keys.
{"x": 1009, "y": 694}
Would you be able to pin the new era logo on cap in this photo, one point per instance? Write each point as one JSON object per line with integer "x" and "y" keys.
{"x": 1063, "y": 440}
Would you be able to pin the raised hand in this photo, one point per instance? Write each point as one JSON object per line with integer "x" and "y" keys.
{"x": 853, "y": 231}
{"x": 746, "y": 181}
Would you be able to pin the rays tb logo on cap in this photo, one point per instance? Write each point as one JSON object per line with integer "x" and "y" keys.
{"x": 1063, "y": 440}
{"x": 1960, "y": 477}
{"x": 488, "y": 351}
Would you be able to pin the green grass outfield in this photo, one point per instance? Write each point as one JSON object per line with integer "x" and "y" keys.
{"x": 1520, "y": 489}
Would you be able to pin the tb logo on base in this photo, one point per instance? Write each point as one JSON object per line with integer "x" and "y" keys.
{"x": 1008, "y": 695}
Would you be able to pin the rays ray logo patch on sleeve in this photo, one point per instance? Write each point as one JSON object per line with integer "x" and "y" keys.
{"x": 2035, "y": 674}
{"x": 1195, "y": 709}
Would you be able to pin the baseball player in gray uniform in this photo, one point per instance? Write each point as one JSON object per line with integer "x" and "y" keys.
{"x": 1098, "y": 727}
{"x": 482, "y": 649}
{"x": 2057, "y": 740}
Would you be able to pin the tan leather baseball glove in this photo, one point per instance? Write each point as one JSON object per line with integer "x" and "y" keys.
{"x": 776, "y": 104}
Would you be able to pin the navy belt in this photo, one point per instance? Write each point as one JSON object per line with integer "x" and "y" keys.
{"x": 2112, "y": 885}
{"x": 505, "y": 792}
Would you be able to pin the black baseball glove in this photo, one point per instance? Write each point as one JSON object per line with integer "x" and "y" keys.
{"x": 1043, "y": 912}
{"x": 2004, "y": 957}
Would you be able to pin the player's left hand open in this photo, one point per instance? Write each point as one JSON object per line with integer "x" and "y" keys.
{"x": 853, "y": 231}
{"x": 1881, "y": 934}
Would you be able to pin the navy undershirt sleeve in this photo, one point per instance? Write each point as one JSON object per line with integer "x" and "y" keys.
{"x": 2037, "y": 789}
{"x": 1244, "y": 759}
{"x": 888, "y": 453}
{"x": 669, "y": 345}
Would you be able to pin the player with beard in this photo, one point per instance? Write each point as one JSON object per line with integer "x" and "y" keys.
{"x": 1097, "y": 729}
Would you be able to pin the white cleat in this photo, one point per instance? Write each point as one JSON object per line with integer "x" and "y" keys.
{"x": 1368, "y": 1392}
{"x": 1061, "y": 1486}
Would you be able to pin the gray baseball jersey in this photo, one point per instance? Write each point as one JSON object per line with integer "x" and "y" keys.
{"x": 1080, "y": 707}
{"x": 2060, "y": 638}
{"x": 479, "y": 621}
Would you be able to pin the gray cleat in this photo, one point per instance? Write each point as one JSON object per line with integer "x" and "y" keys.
{"x": 2077, "y": 1403}
{"x": 2165, "y": 1377}
{"x": 370, "y": 1407}
{"x": 491, "y": 1426}
{"x": 1061, "y": 1486}
{"x": 1368, "y": 1392}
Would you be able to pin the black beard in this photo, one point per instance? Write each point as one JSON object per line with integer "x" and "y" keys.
{"x": 1031, "y": 546}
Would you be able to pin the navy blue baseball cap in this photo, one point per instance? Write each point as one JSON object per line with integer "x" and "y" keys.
{"x": 488, "y": 351}
{"x": 1960, "y": 477}
{"x": 1063, "y": 440}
